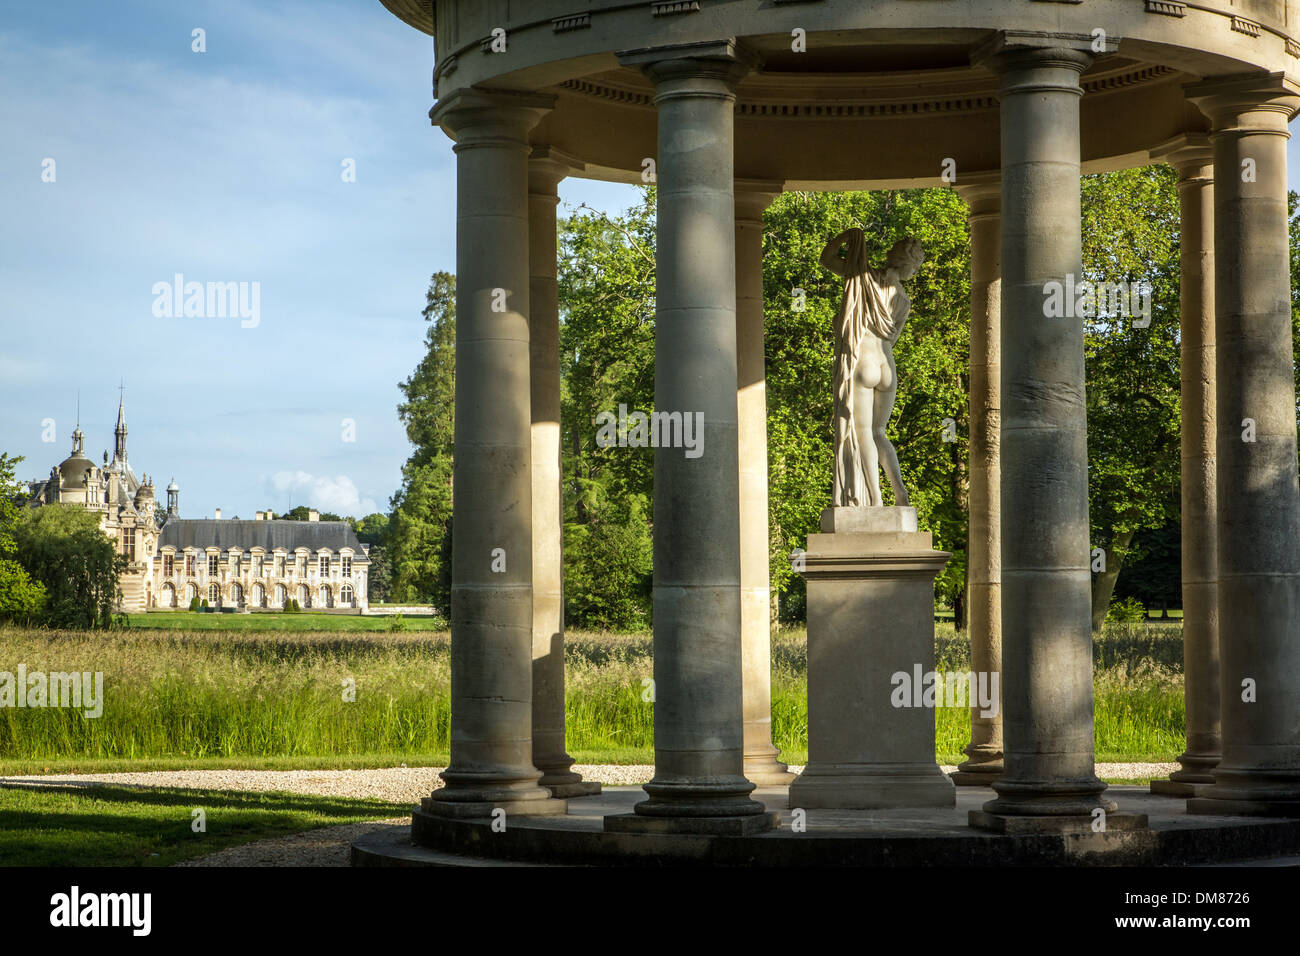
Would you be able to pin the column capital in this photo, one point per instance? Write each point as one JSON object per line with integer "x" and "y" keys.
{"x": 1191, "y": 154}
{"x": 703, "y": 68}
{"x": 476, "y": 117}
{"x": 753, "y": 196}
{"x": 1010, "y": 51}
{"x": 982, "y": 194}
{"x": 547, "y": 166}
{"x": 1246, "y": 103}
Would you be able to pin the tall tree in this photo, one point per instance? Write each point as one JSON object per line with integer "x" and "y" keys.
{"x": 21, "y": 598}
{"x": 63, "y": 548}
{"x": 606, "y": 287}
{"x": 1130, "y": 242}
{"x": 418, "y": 541}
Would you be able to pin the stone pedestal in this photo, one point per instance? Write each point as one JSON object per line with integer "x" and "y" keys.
{"x": 870, "y": 620}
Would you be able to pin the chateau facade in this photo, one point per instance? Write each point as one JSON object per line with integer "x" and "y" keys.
{"x": 230, "y": 563}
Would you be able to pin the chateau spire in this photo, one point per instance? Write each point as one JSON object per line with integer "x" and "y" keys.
{"x": 119, "y": 453}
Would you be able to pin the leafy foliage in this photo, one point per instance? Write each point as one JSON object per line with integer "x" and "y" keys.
{"x": 62, "y": 547}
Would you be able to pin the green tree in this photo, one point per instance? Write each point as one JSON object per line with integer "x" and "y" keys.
{"x": 21, "y": 598}
{"x": 606, "y": 277}
{"x": 1130, "y": 239}
{"x": 303, "y": 513}
{"x": 63, "y": 548}
{"x": 418, "y": 549}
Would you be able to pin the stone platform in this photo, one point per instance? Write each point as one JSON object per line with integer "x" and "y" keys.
{"x": 903, "y": 837}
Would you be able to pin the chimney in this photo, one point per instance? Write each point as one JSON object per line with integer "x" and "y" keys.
{"x": 313, "y": 515}
{"x": 259, "y": 516}
{"x": 217, "y": 515}
{"x": 270, "y": 515}
{"x": 366, "y": 548}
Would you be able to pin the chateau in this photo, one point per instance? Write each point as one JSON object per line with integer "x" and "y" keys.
{"x": 230, "y": 563}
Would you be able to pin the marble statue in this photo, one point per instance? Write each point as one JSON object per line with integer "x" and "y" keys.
{"x": 869, "y": 322}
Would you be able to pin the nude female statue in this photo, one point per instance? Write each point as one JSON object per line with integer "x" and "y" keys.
{"x": 869, "y": 322}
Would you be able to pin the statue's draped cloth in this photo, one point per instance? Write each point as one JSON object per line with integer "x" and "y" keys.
{"x": 864, "y": 312}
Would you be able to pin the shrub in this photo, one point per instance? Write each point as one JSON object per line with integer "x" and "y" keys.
{"x": 397, "y": 622}
{"x": 204, "y": 604}
{"x": 194, "y": 603}
{"x": 1127, "y": 611}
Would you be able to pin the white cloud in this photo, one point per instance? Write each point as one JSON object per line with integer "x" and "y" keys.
{"x": 338, "y": 494}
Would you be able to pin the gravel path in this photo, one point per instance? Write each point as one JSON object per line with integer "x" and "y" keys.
{"x": 328, "y": 846}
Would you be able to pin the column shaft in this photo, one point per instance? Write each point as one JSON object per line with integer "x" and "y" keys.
{"x": 761, "y": 766}
{"x": 984, "y": 531}
{"x": 1199, "y": 547}
{"x": 492, "y": 601}
{"x": 1258, "y": 497}
{"x": 549, "y": 754}
{"x": 698, "y": 666}
{"x": 1046, "y": 607}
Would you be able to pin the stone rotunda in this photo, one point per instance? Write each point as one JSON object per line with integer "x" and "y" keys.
{"x": 724, "y": 104}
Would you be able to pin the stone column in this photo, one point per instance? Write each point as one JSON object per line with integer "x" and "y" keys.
{"x": 1193, "y": 158}
{"x": 761, "y": 766}
{"x": 545, "y": 170}
{"x": 492, "y": 600}
{"x": 1258, "y": 496}
{"x": 699, "y": 783}
{"x": 1049, "y": 780}
{"x": 984, "y": 531}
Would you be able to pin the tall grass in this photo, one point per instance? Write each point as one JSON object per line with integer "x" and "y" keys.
{"x": 213, "y": 695}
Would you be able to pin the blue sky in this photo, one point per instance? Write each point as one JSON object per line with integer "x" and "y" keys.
{"x": 222, "y": 166}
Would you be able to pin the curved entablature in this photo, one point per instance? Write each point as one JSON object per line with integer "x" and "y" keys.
{"x": 517, "y": 44}
{"x": 899, "y": 72}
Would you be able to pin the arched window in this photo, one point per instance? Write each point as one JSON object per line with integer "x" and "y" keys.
{"x": 326, "y": 598}
{"x": 259, "y": 596}
{"x": 191, "y": 592}
{"x": 279, "y": 595}
{"x": 303, "y": 599}
{"x": 168, "y": 596}
{"x": 212, "y": 595}
{"x": 345, "y": 595}
{"x": 236, "y": 595}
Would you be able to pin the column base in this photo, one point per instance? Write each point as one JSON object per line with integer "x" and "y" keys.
{"x": 867, "y": 786}
{"x": 1014, "y": 824}
{"x": 1250, "y": 793}
{"x": 564, "y": 783}
{"x": 974, "y": 778}
{"x": 544, "y": 805}
{"x": 704, "y": 826}
{"x": 1178, "y": 788}
{"x": 980, "y": 770}
{"x": 764, "y": 770}
{"x": 566, "y": 791}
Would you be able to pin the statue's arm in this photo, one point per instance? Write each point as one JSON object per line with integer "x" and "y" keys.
{"x": 831, "y": 255}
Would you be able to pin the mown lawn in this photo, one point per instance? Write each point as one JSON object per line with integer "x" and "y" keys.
{"x": 124, "y": 826}
{"x": 191, "y": 698}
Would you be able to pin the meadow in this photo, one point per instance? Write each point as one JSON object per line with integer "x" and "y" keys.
{"x": 194, "y": 698}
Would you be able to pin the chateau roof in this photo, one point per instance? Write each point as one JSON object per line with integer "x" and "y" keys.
{"x": 181, "y": 533}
